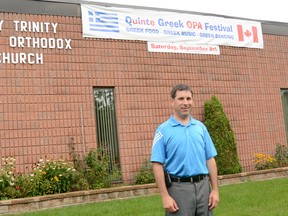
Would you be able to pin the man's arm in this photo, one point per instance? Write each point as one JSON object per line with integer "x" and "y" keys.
{"x": 213, "y": 175}
{"x": 168, "y": 202}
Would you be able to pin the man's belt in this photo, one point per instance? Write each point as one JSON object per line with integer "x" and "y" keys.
{"x": 196, "y": 178}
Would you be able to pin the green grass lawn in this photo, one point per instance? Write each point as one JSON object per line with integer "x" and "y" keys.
{"x": 260, "y": 198}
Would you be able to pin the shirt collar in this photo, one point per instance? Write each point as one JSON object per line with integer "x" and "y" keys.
{"x": 173, "y": 122}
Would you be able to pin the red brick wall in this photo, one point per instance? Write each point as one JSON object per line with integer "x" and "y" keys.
{"x": 40, "y": 104}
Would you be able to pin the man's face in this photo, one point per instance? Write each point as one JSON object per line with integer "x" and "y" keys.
{"x": 182, "y": 104}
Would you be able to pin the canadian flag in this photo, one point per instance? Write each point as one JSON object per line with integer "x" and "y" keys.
{"x": 250, "y": 33}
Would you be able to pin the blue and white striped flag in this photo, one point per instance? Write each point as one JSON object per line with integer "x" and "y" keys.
{"x": 103, "y": 22}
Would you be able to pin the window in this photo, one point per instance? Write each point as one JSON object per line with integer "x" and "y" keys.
{"x": 284, "y": 97}
{"x": 106, "y": 123}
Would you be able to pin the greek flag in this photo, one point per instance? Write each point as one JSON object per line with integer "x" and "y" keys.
{"x": 103, "y": 22}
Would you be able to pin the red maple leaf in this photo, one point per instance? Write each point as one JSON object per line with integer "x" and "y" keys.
{"x": 247, "y": 33}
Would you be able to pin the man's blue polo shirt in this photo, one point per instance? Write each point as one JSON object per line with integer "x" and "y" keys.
{"x": 183, "y": 149}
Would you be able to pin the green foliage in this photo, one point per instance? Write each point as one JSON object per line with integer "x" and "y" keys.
{"x": 266, "y": 161}
{"x": 97, "y": 168}
{"x": 281, "y": 155}
{"x": 57, "y": 176}
{"x": 47, "y": 177}
{"x": 9, "y": 180}
{"x": 222, "y": 135}
{"x": 53, "y": 176}
{"x": 145, "y": 174}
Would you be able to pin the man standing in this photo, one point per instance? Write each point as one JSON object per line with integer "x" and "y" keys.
{"x": 183, "y": 160}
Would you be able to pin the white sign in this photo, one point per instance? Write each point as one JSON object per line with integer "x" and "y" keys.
{"x": 183, "y": 48}
{"x": 157, "y": 26}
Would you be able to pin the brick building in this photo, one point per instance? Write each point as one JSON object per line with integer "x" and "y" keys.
{"x": 55, "y": 82}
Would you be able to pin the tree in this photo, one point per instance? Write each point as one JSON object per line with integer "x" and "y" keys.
{"x": 223, "y": 137}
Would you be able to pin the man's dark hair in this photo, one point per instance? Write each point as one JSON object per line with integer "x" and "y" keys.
{"x": 180, "y": 87}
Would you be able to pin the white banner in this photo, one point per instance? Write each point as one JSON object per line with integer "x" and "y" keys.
{"x": 159, "y": 26}
{"x": 183, "y": 48}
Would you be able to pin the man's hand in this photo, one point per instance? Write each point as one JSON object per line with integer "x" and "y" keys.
{"x": 213, "y": 199}
{"x": 169, "y": 204}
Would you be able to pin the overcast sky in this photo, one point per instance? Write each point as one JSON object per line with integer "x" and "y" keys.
{"x": 267, "y": 10}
